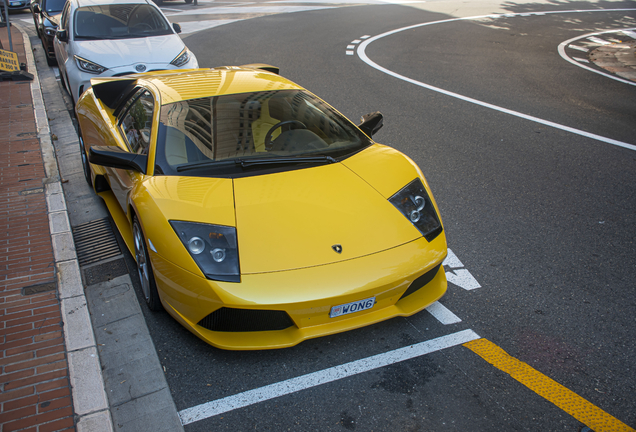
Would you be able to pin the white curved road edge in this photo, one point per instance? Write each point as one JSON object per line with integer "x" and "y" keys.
{"x": 562, "y": 53}
{"x": 363, "y": 56}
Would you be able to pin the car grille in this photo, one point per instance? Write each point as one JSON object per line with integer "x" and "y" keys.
{"x": 421, "y": 281}
{"x": 246, "y": 320}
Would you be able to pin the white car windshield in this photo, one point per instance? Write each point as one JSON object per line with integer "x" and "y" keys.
{"x": 119, "y": 21}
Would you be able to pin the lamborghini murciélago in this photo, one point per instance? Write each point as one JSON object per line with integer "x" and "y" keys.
{"x": 259, "y": 216}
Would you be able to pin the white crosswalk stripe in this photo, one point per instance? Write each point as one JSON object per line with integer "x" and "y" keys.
{"x": 197, "y": 18}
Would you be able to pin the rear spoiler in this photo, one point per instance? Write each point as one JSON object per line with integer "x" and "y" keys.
{"x": 111, "y": 90}
{"x": 261, "y": 66}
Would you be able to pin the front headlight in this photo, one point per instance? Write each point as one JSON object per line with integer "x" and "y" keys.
{"x": 213, "y": 247}
{"x": 182, "y": 58}
{"x": 414, "y": 203}
{"x": 49, "y": 31}
{"x": 89, "y": 66}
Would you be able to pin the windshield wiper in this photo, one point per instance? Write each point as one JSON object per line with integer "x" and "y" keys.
{"x": 91, "y": 37}
{"x": 246, "y": 163}
{"x": 197, "y": 165}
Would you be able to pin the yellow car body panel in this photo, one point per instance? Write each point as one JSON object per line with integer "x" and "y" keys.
{"x": 313, "y": 209}
{"x": 384, "y": 168}
{"x": 193, "y": 199}
{"x": 307, "y": 295}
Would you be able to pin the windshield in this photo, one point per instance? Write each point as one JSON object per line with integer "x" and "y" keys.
{"x": 119, "y": 21}
{"x": 54, "y": 6}
{"x": 225, "y": 135}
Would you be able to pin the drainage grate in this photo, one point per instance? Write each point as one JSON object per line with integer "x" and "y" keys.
{"x": 105, "y": 271}
{"x": 95, "y": 241}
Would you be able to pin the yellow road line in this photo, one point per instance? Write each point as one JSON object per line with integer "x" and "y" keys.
{"x": 573, "y": 404}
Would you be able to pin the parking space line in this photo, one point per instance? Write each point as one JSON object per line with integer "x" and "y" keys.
{"x": 293, "y": 385}
{"x": 443, "y": 314}
{"x": 573, "y": 404}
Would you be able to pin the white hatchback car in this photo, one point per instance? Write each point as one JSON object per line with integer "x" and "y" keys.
{"x": 104, "y": 38}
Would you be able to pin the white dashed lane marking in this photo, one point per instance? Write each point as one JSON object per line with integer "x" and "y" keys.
{"x": 579, "y": 48}
{"x": 598, "y": 41}
{"x": 352, "y": 46}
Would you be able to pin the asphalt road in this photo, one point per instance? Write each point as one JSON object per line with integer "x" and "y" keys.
{"x": 543, "y": 217}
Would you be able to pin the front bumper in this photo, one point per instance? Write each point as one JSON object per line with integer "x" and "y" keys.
{"x": 307, "y": 295}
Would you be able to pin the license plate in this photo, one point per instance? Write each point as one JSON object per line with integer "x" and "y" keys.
{"x": 355, "y": 306}
{"x": 14, "y": 3}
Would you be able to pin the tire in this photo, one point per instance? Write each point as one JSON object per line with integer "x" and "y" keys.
{"x": 188, "y": 1}
{"x": 144, "y": 269}
{"x": 62, "y": 80}
{"x": 85, "y": 164}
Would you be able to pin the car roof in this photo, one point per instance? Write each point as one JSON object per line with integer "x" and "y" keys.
{"x": 181, "y": 85}
{"x": 83, "y": 3}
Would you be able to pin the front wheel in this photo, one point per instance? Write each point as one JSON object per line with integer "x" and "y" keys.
{"x": 85, "y": 164}
{"x": 144, "y": 269}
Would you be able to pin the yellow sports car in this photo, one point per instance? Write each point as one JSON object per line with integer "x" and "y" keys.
{"x": 259, "y": 216}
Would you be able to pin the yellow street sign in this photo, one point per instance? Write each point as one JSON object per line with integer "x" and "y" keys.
{"x": 9, "y": 61}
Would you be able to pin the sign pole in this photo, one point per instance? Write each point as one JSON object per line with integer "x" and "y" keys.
{"x": 6, "y": 15}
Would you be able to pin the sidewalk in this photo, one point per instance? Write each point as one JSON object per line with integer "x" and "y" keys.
{"x": 47, "y": 372}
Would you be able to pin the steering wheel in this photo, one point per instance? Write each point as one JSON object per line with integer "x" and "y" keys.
{"x": 268, "y": 136}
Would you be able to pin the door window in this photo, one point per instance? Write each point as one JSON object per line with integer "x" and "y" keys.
{"x": 136, "y": 123}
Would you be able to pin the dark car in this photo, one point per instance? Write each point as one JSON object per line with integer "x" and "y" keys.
{"x": 46, "y": 16}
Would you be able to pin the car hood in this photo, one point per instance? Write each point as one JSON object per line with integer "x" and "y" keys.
{"x": 302, "y": 218}
{"x": 113, "y": 53}
{"x": 292, "y": 219}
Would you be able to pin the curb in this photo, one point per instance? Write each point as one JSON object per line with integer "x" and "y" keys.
{"x": 87, "y": 384}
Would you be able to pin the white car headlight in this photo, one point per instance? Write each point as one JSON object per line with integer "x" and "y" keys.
{"x": 182, "y": 58}
{"x": 89, "y": 66}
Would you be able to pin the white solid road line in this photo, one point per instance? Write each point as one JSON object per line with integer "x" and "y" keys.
{"x": 293, "y": 385}
{"x": 363, "y": 56}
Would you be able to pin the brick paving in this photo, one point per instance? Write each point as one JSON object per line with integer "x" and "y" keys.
{"x": 35, "y": 394}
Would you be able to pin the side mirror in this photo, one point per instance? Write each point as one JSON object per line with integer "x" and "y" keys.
{"x": 176, "y": 27}
{"x": 371, "y": 123}
{"x": 61, "y": 35}
{"x": 36, "y": 8}
{"x": 114, "y": 157}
